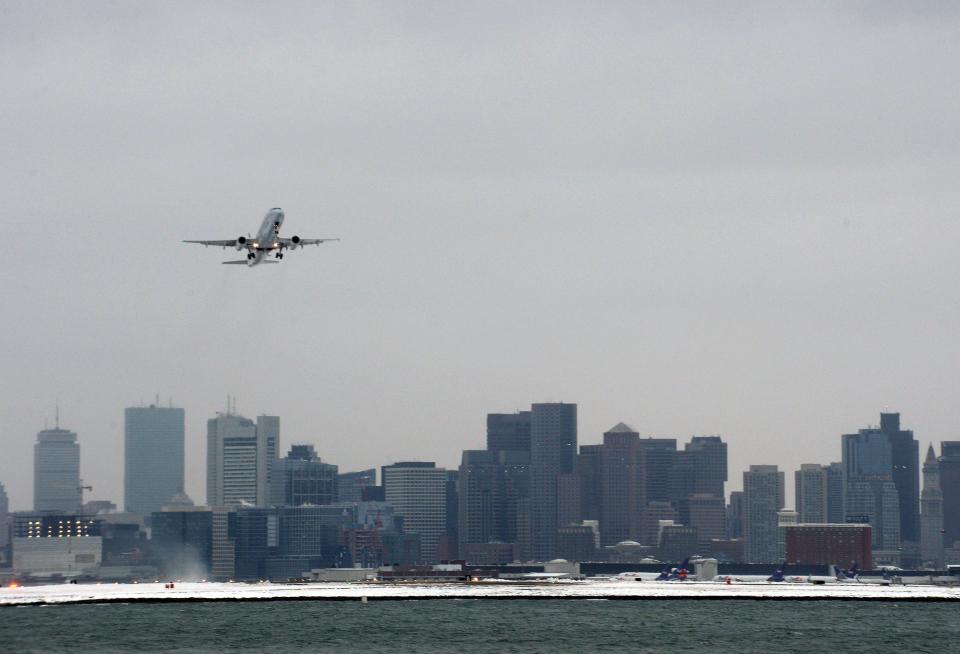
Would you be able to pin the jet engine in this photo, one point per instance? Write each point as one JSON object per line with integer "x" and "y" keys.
{"x": 240, "y": 242}
{"x": 294, "y": 241}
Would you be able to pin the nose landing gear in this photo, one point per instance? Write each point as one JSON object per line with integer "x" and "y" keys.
{"x": 279, "y": 255}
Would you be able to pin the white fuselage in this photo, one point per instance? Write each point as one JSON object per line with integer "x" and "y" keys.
{"x": 267, "y": 238}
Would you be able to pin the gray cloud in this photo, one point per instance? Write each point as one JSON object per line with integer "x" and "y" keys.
{"x": 698, "y": 220}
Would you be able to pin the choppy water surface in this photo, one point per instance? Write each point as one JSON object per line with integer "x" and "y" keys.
{"x": 470, "y": 626}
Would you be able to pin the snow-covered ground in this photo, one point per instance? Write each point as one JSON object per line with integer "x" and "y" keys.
{"x": 600, "y": 589}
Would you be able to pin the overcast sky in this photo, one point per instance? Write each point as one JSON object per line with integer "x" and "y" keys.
{"x": 722, "y": 218}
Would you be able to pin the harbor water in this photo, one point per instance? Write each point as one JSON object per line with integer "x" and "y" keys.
{"x": 471, "y": 626}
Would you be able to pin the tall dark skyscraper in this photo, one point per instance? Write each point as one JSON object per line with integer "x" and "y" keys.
{"x": 508, "y": 431}
{"x": 553, "y": 452}
{"x": 622, "y": 485}
{"x": 153, "y": 457}
{"x": 701, "y": 469}
{"x": 4, "y": 517}
{"x": 905, "y": 458}
{"x": 480, "y": 497}
{"x": 949, "y": 464}
{"x": 709, "y": 459}
{"x": 660, "y": 459}
{"x": 588, "y": 474}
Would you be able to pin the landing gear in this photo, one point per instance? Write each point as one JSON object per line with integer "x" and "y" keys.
{"x": 251, "y": 255}
{"x": 279, "y": 255}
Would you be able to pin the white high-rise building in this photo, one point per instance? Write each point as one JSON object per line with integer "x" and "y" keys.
{"x": 240, "y": 456}
{"x": 418, "y": 492}
{"x": 56, "y": 471}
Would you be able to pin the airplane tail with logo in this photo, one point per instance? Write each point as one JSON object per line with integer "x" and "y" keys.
{"x": 680, "y": 572}
{"x": 777, "y": 575}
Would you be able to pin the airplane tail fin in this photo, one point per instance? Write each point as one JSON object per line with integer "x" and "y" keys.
{"x": 778, "y": 573}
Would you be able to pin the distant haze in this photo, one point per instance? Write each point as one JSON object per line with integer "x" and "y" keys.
{"x": 726, "y": 218}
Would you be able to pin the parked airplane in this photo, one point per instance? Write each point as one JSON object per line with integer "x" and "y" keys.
{"x": 678, "y": 573}
{"x": 267, "y": 240}
{"x": 778, "y": 576}
{"x": 848, "y": 575}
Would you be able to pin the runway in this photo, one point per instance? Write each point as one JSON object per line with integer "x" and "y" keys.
{"x": 373, "y": 591}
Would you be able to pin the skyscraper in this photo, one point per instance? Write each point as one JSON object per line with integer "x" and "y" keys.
{"x": 240, "y": 455}
{"x": 891, "y": 452}
{"x": 622, "y": 485}
{"x": 56, "y": 471}
{"x": 4, "y": 517}
{"x": 153, "y": 457}
{"x": 931, "y": 513}
{"x": 553, "y": 451}
{"x": 708, "y": 515}
{"x": 735, "y": 515}
{"x": 905, "y": 459}
{"x": 810, "y": 485}
{"x": 763, "y": 493}
{"x": 660, "y": 458}
{"x": 871, "y": 496}
{"x": 481, "y": 501}
{"x": 874, "y": 499}
{"x": 508, "y": 431}
{"x": 708, "y": 455}
{"x": 949, "y": 464}
{"x": 588, "y": 473}
{"x": 418, "y": 492}
{"x": 302, "y": 478}
{"x": 350, "y": 485}
{"x": 700, "y": 468}
{"x": 835, "y": 493}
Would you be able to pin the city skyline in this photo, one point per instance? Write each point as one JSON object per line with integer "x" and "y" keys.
{"x": 532, "y": 495}
{"x": 198, "y": 489}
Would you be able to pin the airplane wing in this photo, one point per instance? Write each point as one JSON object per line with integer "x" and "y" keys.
{"x": 222, "y": 244}
{"x": 289, "y": 242}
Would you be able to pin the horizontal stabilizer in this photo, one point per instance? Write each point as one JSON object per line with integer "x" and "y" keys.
{"x": 237, "y": 262}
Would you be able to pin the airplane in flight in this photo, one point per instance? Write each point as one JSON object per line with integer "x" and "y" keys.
{"x": 267, "y": 241}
